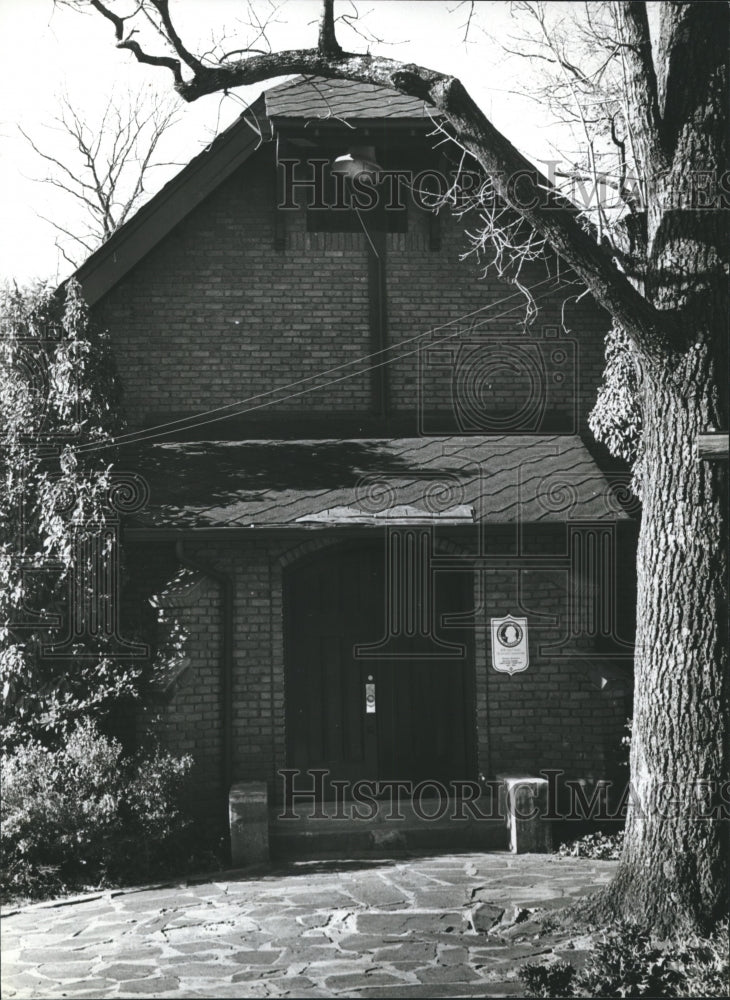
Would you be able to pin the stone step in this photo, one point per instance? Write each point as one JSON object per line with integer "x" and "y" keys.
{"x": 330, "y": 835}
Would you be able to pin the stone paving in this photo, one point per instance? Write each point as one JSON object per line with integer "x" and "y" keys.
{"x": 448, "y": 926}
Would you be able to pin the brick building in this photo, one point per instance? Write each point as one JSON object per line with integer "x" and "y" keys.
{"x": 358, "y": 455}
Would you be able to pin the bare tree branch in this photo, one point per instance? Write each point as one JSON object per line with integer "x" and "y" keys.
{"x": 106, "y": 166}
{"x": 163, "y": 9}
{"x": 641, "y": 81}
{"x": 69, "y": 260}
{"x": 134, "y": 47}
{"x": 327, "y": 43}
{"x": 515, "y": 179}
{"x": 88, "y": 246}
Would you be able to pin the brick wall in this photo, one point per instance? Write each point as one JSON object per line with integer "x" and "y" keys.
{"x": 478, "y": 347}
{"x": 567, "y": 710}
{"x": 557, "y": 714}
{"x": 215, "y": 315}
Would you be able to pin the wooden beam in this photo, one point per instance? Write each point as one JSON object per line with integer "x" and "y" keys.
{"x": 375, "y": 239}
{"x": 434, "y": 231}
{"x": 280, "y": 214}
{"x": 434, "y": 222}
{"x": 712, "y": 445}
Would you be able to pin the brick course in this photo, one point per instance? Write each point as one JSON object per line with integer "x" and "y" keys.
{"x": 215, "y": 315}
{"x": 553, "y": 715}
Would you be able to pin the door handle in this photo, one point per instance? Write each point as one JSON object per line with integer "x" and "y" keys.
{"x": 370, "y": 696}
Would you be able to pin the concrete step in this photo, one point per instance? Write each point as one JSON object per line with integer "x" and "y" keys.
{"x": 388, "y": 831}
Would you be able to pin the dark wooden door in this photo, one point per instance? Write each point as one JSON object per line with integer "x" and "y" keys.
{"x": 335, "y": 616}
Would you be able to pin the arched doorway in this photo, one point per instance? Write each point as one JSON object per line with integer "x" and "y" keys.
{"x": 364, "y": 708}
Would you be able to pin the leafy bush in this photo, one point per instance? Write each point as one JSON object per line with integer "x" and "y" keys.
{"x": 627, "y": 963}
{"x": 705, "y": 965}
{"x": 555, "y": 980}
{"x": 59, "y": 495}
{"x": 85, "y": 814}
{"x": 598, "y": 846}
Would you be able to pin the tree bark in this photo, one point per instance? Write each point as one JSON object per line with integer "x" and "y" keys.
{"x": 674, "y": 871}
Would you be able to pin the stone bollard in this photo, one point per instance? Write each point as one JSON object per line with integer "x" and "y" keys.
{"x": 248, "y": 817}
{"x": 524, "y": 803}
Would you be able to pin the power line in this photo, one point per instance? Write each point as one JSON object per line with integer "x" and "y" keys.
{"x": 196, "y": 421}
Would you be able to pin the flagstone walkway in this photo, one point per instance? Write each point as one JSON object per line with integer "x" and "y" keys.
{"x": 448, "y": 926}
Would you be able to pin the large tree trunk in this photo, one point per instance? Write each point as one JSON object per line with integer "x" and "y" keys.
{"x": 673, "y": 873}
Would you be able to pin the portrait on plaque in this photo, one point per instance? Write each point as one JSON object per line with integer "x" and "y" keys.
{"x": 510, "y": 654}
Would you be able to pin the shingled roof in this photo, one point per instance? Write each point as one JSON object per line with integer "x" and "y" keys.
{"x": 298, "y": 100}
{"x": 317, "y": 97}
{"x": 448, "y": 480}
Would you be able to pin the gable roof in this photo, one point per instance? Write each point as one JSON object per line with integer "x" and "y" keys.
{"x": 317, "y": 97}
{"x": 173, "y": 202}
{"x": 299, "y": 100}
{"x": 274, "y": 484}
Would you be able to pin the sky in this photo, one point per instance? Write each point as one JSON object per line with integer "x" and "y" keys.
{"x": 46, "y": 51}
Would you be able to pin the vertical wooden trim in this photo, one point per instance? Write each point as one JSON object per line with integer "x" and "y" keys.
{"x": 280, "y": 216}
{"x": 375, "y": 239}
{"x": 434, "y": 231}
{"x": 434, "y": 219}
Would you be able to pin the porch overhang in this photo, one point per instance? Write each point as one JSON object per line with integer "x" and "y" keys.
{"x": 262, "y": 486}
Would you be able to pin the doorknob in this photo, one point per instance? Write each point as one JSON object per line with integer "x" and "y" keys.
{"x": 370, "y": 696}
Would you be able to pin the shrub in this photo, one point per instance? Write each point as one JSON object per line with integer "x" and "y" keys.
{"x": 58, "y": 500}
{"x": 83, "y": 813}
{"x": 598, "y": 846}
{"x": 627, "y": 963}
{"x": 626, "y": 960}
{"x": 554, "y": 980}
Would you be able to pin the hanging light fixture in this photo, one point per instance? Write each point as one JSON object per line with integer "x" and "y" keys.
{"x": 356, "y": 162}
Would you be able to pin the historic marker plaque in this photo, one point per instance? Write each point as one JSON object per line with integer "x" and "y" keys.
{"x": 509, "y": 645}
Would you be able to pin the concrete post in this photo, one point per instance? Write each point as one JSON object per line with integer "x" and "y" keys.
{"x": 248, "y": 817}
{"x": 525, "y": 803}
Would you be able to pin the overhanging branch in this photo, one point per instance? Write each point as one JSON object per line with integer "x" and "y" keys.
{"x": 134, "y": 47}
{"x": 163, "y": 9}
{"x": 515, "y": 179}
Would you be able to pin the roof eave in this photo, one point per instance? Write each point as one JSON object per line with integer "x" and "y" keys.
{"x": 184, "y": 192}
